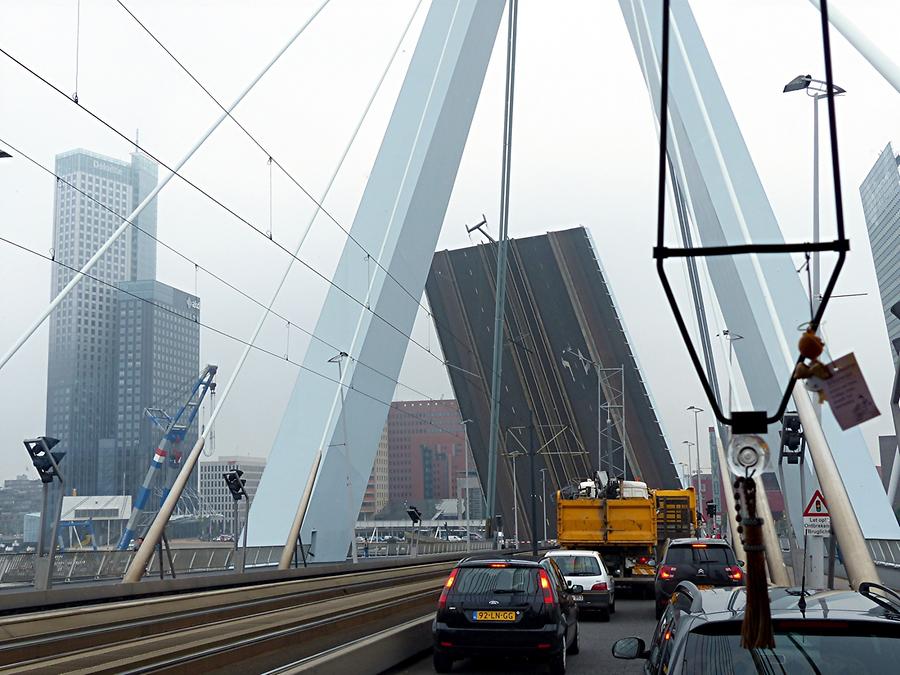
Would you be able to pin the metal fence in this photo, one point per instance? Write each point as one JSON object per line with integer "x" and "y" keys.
{"x": 69, "y": 566}
{"x": 885, "y": 552}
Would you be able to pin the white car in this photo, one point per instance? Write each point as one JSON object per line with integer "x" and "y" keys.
{"x": 586, "y": 569}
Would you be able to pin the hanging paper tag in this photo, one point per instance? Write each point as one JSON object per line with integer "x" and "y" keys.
{"x": 847, "y": 392}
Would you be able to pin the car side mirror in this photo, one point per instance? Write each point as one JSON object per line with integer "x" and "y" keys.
{"x": 629, "y": 648}
{"x": 577, "y": 588}
{"x": 741, "y": 563}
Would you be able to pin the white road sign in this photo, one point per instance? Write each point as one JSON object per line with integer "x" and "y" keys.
{"x": 816, "y": 519}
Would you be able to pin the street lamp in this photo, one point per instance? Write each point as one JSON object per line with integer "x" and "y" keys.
{"x": 544, "y": 500}
{"x": 690, "y": 467}
{"x": 339, "y": 360}
{"x": 815, "y": 89}
{"x": 694, "y": 409}
{"x": 465, "y": 424}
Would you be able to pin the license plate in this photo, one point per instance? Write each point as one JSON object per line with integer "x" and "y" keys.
{"x": 485, "y": 615}
{"x": 578, "y": 598}
{"x": 705, "y": 587}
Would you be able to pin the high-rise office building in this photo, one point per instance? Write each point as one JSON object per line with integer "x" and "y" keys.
{"x": 880, "y": 193}
{"x": 376, "y": 496}
{"x": 158, "y": 363}
{"x": 426, "y": 450}
{"x": 81, "y": 376}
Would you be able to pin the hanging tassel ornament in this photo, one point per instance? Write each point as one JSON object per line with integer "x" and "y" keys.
{"x": 756, "y": 631}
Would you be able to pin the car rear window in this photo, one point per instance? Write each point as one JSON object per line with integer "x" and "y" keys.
{"x": 848, "y": 648}
{"x": 577, "y": 565}
{"x": 488, "y": 580}
{"x": 691, "y": 554}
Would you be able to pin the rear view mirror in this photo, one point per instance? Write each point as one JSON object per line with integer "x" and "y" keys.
{"x": 629, "y": 648}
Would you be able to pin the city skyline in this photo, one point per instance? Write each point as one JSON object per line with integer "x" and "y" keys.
{"x": 603, "y": 184}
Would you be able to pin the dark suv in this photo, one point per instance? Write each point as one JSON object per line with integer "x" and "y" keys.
{"x": 709, "y": 563}
{"x": 835, "y": 632}
{"x": 506, "y": 607}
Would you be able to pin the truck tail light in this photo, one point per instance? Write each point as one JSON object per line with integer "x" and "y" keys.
{"x": 442, "y": 603}
{"x": 600, "y": 586}
{"x": 667, "y": 572}
{"x": 545, "y": 587}
{"x": 734, "y": 573}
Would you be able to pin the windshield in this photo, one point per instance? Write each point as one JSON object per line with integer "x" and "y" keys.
{"x": 489, "y": 580}
{"x": 690, "y": 554}
{"x": 577, "y": 565}
{"x": 799, "y": 652}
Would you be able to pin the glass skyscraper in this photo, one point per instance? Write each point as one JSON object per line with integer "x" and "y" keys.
{"x": 880, "y": 193}
{"x": 81, "y": 383}
{"x": 157, "y": 365}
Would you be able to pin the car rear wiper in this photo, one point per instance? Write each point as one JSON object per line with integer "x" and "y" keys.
{"x": 506, "y": 590}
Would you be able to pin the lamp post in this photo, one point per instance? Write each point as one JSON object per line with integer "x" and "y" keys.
{"x": 465, "y": 424}
{"x": 690, "y": 467}
{"x": 815, "y": 89}
{"x": 544, "y": 500}
{"x": 694, "y": 409}
{"x": 339, "y": 360}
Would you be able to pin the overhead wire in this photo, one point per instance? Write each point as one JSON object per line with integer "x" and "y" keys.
{"x": 226, "y": 208}
{"x": 198, "y": 266}
{"x": 223, "y": 333}
{"x": 273, "y": 160}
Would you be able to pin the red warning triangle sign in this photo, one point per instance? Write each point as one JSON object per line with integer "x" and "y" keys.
{"x": 816, "y": 506}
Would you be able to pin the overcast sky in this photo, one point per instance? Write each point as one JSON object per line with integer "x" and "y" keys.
{"x": 584, "y": 153}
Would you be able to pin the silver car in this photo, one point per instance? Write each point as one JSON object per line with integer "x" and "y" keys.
{"x": 586, "y": 569}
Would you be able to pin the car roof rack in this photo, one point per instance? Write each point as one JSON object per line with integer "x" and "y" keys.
{"x": 886, "y": 597}
{"x": 689, "y": 598}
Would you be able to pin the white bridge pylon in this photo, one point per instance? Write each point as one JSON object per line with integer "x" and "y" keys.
{"x": 398, "y": 221}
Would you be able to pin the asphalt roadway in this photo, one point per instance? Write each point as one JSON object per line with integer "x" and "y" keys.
{"x": 632, "y": 617}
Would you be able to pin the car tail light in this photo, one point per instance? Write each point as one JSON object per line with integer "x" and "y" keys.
{"x": 643, "y": 560}
{"x": 498, "y": 565}
{"x": 667, "y": 572}
{"x": 545, "y": 587}
{"x": 734, "y": 572}
{"x": 447, "y": 586}
{"x": 698, "y": 545}
{"x": 600, "y": 587}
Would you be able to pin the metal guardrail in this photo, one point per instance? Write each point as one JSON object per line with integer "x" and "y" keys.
{"x": 885, "y": 552}
{"x": 70, "y": 566}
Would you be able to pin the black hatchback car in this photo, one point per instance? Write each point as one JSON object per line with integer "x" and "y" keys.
{"x": 506, "y": 607}
{"x": 709, "y": 563}
{"x": 835, "y": 632}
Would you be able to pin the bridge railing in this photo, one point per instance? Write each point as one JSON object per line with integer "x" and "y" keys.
{"x": 79, "y": 566}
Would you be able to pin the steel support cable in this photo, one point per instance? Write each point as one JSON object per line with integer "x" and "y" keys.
{"x": 58, "y": 298}
{"x": 231, "y": 212}
{"x": 198, "y": 266}
{"x": 273, "y": 160}
{"x": 231, "y": 336}
{"x": 499, "y": 307}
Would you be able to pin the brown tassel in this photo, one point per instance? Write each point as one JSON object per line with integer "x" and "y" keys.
{"x": 756, "y": 631}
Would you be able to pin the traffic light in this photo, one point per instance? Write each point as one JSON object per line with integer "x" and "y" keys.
{"x": 710, "y": 508}
{"x": 235, "y": 484}
{"x": 791, "y": 437}
{"x": 498, "y": 522}
{"x": 46, "y": 462}
{"x": 414, "y": 515}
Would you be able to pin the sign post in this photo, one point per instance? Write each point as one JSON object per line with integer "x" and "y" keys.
{"x": 816, "y": 526}
{"x": 816, "y": 520}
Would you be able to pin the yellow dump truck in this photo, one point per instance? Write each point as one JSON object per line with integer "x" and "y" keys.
{"x": 625, "y": 522}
